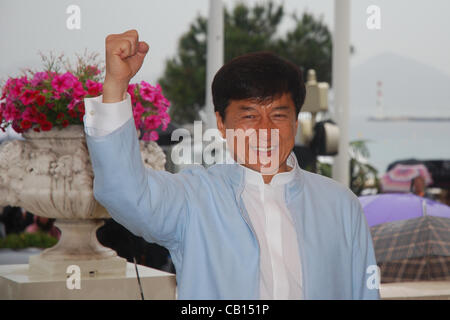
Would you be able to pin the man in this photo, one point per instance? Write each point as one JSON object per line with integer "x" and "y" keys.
{"x": 257, "y": 228}
{"x": 418, "y": 186}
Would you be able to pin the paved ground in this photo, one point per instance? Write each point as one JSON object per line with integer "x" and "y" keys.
{"x": 420, "y": 290}
{"x": 399, "y": 290}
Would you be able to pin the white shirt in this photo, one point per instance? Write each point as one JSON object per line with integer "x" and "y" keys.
{"x": 279, "y": 255}
{"x": 280, "y": 267}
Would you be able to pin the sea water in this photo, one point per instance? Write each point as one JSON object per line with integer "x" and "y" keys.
{"x": 395, "y": 140}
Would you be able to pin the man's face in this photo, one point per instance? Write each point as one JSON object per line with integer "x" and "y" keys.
{"x": 260, "y": 135}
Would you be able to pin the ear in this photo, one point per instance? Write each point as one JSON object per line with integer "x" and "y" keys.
{"x": 220, "y": 125}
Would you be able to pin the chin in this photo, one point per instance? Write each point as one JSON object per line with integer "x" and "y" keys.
{"x": 269, "y": 170}
{"x": 265, "y": 169}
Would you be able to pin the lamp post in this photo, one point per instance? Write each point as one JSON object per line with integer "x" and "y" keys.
{"x": 341, "y": 87}
{"x": 214, "y": 55}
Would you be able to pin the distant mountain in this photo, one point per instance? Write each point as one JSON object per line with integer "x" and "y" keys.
{"x": 410, "y": 88}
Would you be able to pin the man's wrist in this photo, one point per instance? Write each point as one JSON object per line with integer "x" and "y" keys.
{"x": 114, "y": 91}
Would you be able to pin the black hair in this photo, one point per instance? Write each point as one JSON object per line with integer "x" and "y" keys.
{"x": 261, "y": 76}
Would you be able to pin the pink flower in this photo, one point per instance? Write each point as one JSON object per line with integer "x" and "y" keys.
{"x": 78, "y": 90}
{"x": 6, "y": 88}
{"x": 137, "y": 122}
{"x": 38, "y": 78}
{"x": 25, "y": 124}
{"x": 150, "y": 136}
{"x": 23, "y": 81}
{"x": 30, "y": 114}
{"x": 80, "y": 108}
{"x": 16, "y": 126}
{"x": 165, "y": 119}
{"x": 56, "y": 95}
{"x": 2, "y": 107}
{"x": 10, "y": 112}
{"x": 12, "y": 88}
{"x": 40, "y": 100}
{"x": 152, "y": 122}
{"x": 73, "y": 103}
{"x": 130, "y": 90}
{"x": 63, "y": 82}
{"x": 148, "y": 92}
{"x": 16, "y": 90}
{"x": 46, "y": 125}
{"x": 41, "y": 117}
{"x": 3, "y": 93}
{"x": 138, "y": 110}
{"x": 94, "y": 88}
{"x": 72, "y": 113}
{"x": 162, "y": 104}
{"x": 28, "y": 96}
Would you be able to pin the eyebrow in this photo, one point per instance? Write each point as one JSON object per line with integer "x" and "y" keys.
{"x": 246, "y": 108}
{"x": 281, "y": 108}
{"x": 251, "y": 108}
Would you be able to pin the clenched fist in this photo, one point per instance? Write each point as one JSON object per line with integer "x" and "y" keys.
{"x": 124, "y": 57}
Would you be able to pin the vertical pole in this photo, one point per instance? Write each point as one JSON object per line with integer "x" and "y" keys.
{"x": 341, "y": 87}
{"x": 214, "y": 55}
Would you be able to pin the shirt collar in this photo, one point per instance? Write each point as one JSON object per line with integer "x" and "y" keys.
{"x": 256, "y": 178}
{"x": 235, "y": 173}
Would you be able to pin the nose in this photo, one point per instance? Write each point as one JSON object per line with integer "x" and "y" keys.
{"x": 267, "y": 133}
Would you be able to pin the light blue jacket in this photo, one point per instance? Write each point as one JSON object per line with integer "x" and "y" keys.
{"x": 199, "y": 216}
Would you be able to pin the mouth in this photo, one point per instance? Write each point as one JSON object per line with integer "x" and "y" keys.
{"x": 264, "y": 153}
{"x": 264, "y": 149}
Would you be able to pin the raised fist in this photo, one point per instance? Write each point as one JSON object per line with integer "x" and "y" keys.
{"x": 124, "y": 57}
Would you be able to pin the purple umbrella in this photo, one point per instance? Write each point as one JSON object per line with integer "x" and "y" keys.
{"x": 388, "y": 207}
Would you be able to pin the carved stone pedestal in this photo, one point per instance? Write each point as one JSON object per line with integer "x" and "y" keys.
{"x": 78, "y": 246}
{"x": 50, "y": 174}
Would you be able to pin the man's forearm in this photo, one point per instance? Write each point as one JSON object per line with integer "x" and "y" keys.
{"x": 114, "y": 91}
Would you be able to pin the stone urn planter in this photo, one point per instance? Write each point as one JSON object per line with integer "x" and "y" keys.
{"x": 50, "y": 174}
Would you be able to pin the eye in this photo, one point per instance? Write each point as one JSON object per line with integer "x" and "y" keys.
{"x": 249, "y": 116}
{"x": 280, "y": 115}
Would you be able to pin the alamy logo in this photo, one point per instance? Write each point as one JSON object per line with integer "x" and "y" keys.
{"x": 74, "y": 20}
{"x": 249, "y": 146}
{"x": 373, "y": 281}
{"x": 73, "y": 280}
{"x": 374, "y": 19}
